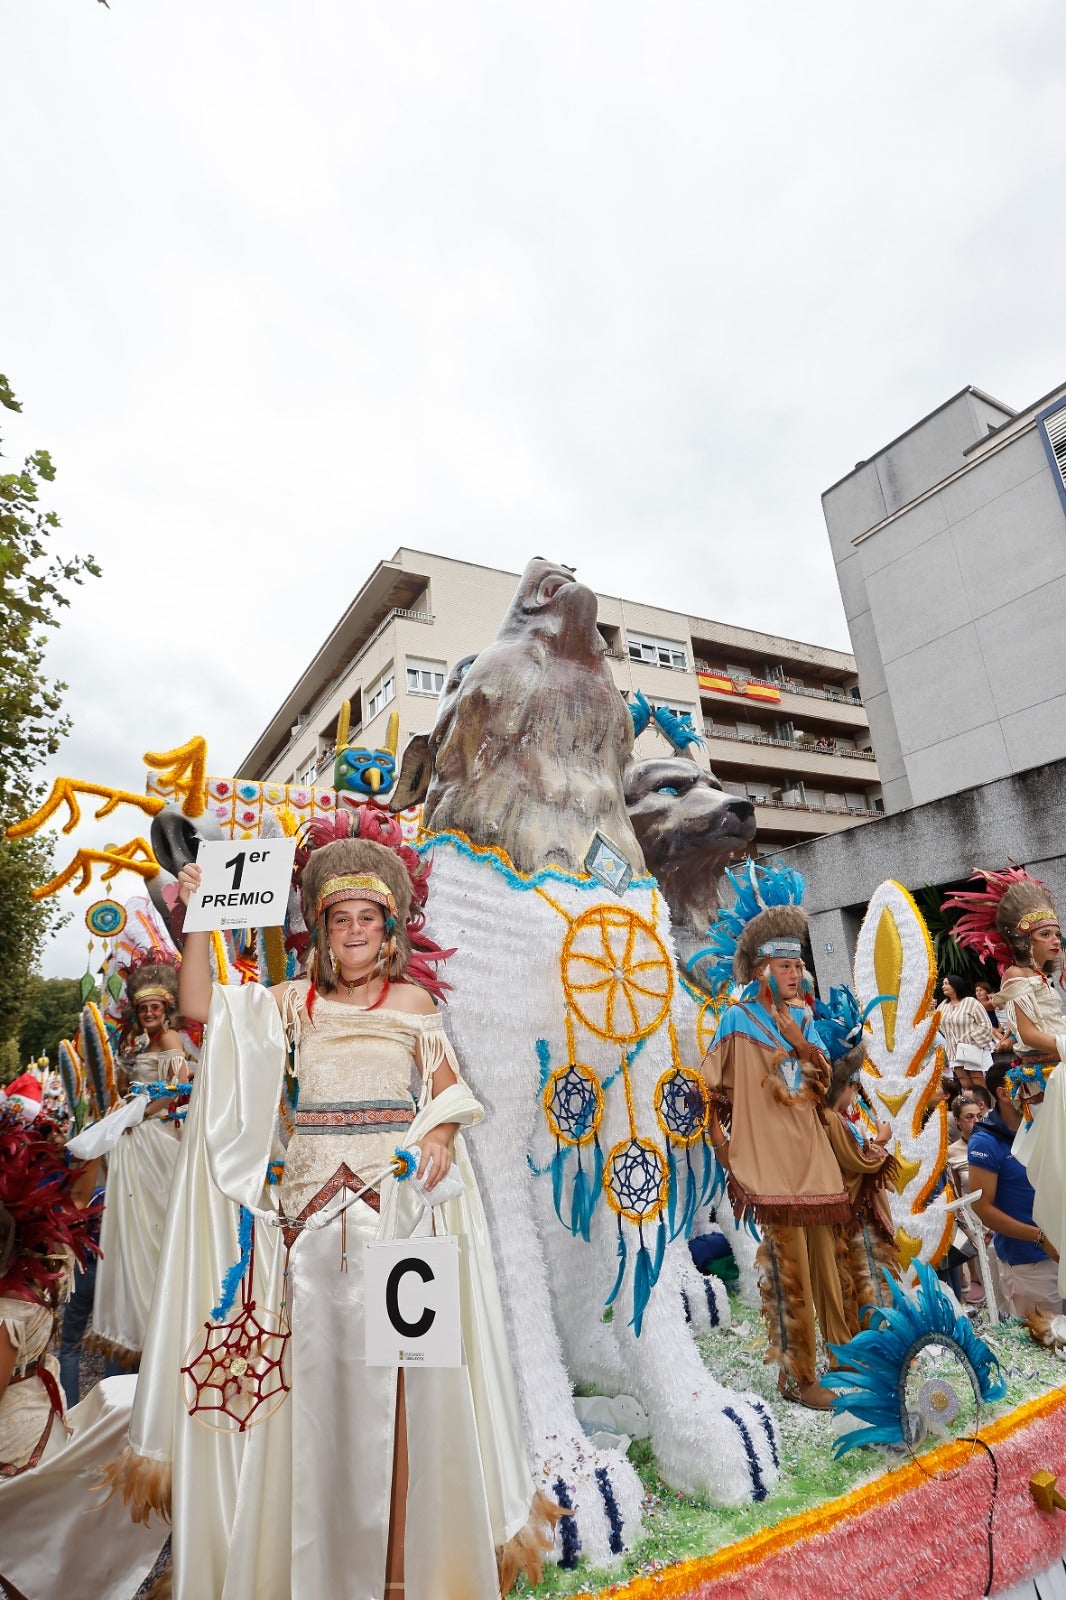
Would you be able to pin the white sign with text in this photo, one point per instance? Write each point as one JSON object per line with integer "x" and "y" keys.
{"x": 412, "y": 1303}
{"x": 245, "y": 884}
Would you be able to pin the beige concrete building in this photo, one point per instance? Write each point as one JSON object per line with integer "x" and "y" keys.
{"x": 782, "y": 721}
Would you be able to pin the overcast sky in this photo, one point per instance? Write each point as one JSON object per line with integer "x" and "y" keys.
{"x": 288, "y": 283}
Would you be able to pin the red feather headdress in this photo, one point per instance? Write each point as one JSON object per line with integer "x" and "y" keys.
{"x": 378, "y": 826}
{"x": 978, "y": 929}
{"x": 39, "y": 1221}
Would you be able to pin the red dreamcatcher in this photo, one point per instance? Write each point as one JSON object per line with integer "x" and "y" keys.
{"x": 234, "y": 1373}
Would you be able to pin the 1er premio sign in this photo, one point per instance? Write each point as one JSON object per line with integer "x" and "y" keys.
{"x": 245, "y": 884}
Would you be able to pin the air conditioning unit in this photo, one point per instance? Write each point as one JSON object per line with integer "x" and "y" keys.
{"x": 298, "y": 726}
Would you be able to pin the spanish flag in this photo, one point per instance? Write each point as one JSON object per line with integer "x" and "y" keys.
{"x": 716, "y": 681}
{"x": 762, "y": 691}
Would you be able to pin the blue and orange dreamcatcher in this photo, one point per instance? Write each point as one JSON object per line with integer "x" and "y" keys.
{"x": 618, "y": 984}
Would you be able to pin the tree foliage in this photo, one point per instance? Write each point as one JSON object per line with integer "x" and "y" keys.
{"x": 52, "y": 1012}
{"x": 33, "y": 585}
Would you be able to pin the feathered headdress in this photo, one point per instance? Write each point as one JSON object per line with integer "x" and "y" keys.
{"x": 766, "y": 912}
{"x": 367, "y": 848}
{"x": 996, "y": 917}
{"x": 41, "y": 1229}
{"x": 841, "y": 1020}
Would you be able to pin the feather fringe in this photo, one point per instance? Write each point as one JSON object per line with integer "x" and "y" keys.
{"x": 145, "y": 1485}
{"x": 111, "y": 1350}
{"x": 525, "y": 1553}
{"x": 781, "y": 1292}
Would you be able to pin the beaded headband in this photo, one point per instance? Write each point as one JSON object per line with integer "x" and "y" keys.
{"x": 356, "y": 886}
{"x": 152, "y": 991}
{"x": 781, "y": 949}
{"x": 1043, "y": 915}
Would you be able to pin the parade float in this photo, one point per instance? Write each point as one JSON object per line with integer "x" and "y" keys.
{"x": 582, "y": 1034}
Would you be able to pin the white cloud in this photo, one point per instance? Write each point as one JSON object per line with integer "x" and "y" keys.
{"x": 289, "y": 285}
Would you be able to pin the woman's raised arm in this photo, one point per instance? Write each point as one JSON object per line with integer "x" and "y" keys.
{"x": 194, "y": 974}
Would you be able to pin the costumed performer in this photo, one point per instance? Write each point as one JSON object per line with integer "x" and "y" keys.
{"x": 140, "y": 1138}
{"x": 768, "y": 1077}
{"x": 56, "y": 1540}
{"x": 1013, "y": 921}
{"x": 867, "y": 1247}
{"x": 345, "y": 1479}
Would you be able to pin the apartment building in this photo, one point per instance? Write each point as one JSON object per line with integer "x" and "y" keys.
{"x": 950, "y": 549}
{"x": 783, "y": 722}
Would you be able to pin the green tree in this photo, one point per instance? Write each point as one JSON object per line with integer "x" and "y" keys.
{"x": 52, "y": 1012}
{"x": 33, "y": 581}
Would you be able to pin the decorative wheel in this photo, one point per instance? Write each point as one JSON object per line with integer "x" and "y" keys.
{"x": 636, "y": 1181}
{"x": 709, "y": 1017}
{"x": 573, "y": 1104}
{"x": 617, "y": 974}
{"x": 681, "y": 1105}
{"x": 105, "y": 918}
{"x": 233, "y": 1375}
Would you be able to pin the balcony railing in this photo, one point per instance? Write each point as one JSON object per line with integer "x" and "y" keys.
{"x": 818, "y": 747}
{"x": 787, "y": 685}
{"x": 825, "y": 807}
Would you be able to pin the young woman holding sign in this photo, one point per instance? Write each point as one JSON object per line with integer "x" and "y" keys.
{"x": 317, "y": 1474}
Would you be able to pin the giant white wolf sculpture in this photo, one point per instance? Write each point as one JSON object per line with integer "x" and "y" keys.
{"x": 567, "y": 1016}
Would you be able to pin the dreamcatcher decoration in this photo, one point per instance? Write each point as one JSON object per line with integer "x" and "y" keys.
{"x": 572, "y": 1098}
{"x": 682, "y": 1110}
{"x": 618, "y": 984}
{"x": 233, "y": 1375}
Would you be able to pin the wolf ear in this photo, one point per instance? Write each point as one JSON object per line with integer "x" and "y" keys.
{"x": 416, "y": 769}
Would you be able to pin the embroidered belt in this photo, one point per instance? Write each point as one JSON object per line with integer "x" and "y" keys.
{"x": 353, "y": 1116}
{"x": 343, "y": 1178}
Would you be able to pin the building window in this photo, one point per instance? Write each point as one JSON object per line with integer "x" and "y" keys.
{"x": 424, "y": 677}
{"x": 657, "y": 652}
{"x": 1053, "y": 434}
{"x": 380, "y": 694}
{"x": 857, "y": 802}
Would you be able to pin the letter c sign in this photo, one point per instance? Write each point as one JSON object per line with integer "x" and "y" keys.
{"x": 412, "y": 1303}
{"x": 422, "y": 1324}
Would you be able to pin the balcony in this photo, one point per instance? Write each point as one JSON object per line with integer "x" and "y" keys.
{"x": 815, "y": 705}
{"x": 802, "y": 822}
{"x": 758, "y": 752}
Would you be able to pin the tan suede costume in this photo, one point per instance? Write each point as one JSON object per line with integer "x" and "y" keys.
{"x": 783, "y": 1170}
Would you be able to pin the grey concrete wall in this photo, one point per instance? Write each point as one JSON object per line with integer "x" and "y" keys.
{"x": 944, "y": 602}
{"x": 1021, "y": 818}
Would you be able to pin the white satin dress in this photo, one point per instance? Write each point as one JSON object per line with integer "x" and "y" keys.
{"x": 298, "y": 1506}
{"x": 57, "y": 1540}
{"x": 140, "y": 1170}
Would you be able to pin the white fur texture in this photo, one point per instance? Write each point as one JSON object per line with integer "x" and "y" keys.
{"x": 507, "y": 993}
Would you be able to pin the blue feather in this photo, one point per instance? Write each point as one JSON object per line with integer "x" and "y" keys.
{"x": 660, "y": 1251}
{"x": 671, "y": 1207}
{"x": 870, "y": 1380}
{"x": 640, "y": 711}
{"x": 232, "y": 1279}
{"x": 558, "y": 1163}
{"x": 597, "y": 1178}
{"x": 579, "y": 1205}
{"x": 641, "y": 1289}
{"x": 622, "y": 1258}
{"x": 545, "y": 1062}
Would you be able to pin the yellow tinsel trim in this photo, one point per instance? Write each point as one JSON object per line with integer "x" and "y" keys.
{"x": 683, "y": 1578}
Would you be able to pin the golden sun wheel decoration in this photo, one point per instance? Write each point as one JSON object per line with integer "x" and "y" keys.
{"x": 894, "y": 957}
{"x": 617, "y": 974}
